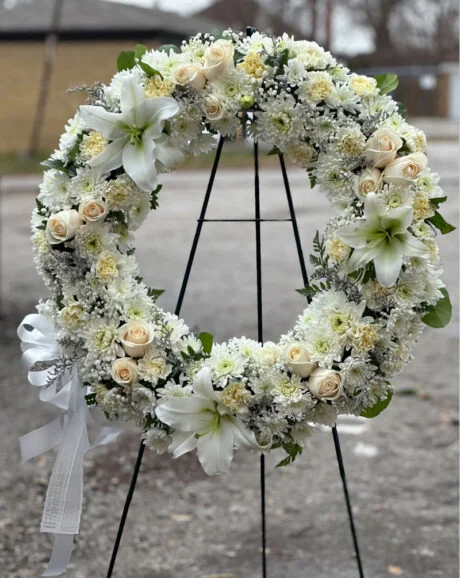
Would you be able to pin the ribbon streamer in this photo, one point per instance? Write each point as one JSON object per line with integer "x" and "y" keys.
{"x": 69, "y": 433}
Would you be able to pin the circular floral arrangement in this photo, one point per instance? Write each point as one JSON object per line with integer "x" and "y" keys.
{"x": 376, "y": 277}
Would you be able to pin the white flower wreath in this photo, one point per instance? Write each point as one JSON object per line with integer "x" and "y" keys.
{"x": 376, "y": 278}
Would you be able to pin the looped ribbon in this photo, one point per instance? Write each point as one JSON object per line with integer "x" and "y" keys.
{"x": 68, "y": 433}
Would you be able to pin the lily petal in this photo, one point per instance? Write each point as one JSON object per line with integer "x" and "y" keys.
{"x": 131, "y": 94}
{"x": 139, "y": 163}
{"x": 361, "y": 257}
{"x": 110, "y": 158}
{"x": 158, "y": 110}
{"x": 243, "y": 437}
{"x": 397, "y": 219}
{"x": 373, "y": 206}
{"x": 182, "y": 442}
{"x": 169, "y": 155}
{"x": 202, "y": 385}
{"x": 388, "y": 262}
{"x": 353, "y": 235}
{"x": 186, "y": 414}
{"x": 413, "y": 247}
{"x": 107, "y": 123}
{"x": 215, "y": 448}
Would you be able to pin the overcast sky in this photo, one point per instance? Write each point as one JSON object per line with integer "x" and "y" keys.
{"x": 348, "y": 38}
{"x": 183, "y": 6}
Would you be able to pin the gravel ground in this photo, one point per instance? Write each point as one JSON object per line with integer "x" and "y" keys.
{"x": 402, "y": 467}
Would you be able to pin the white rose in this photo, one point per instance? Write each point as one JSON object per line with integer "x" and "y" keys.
{"x": 269, "y": 353}
{"x": 218, "y": 58}
{"x": 124, "y": 371}
{"x": 192, "y": 75}
{"x": 92, "y": 210}
{"x": 135, "y": 337}
{"x": 213, "y": 108}
{"x": 325, "y": 383}
{"x": 369, "y": 181}
{"x": 62, "y": 226}
{"x": 382, "y": 146}
{"x": 404, "y": 170}
{"x": 298, "y": 360}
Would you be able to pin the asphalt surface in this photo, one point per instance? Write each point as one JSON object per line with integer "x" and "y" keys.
{"x": 402, "y": 467}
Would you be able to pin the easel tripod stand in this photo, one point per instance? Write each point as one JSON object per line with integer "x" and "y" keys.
{"x": 257, "y": 220}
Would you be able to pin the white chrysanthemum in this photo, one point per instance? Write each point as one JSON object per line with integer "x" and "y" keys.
{"x": 101, "y": 340}
{"x": 165, "y": 62}
{"x": 323, "y": 413}
{"x": 190, "y": 341}
{"x": 87, "y": 184}
{"x": 175, "y": 327}
{"x": 54, "y": 191}
{"x": 137, "y": 307}
{"x": 332, "y": 175}
{"x": 153, "y": 367}
{"x": 422, "y": 230}
{"x": 428, "y": 182}
{"x": 323, "y": 344}
{"x": 69, "y": 138}
{"x": 317, "y": 87}
{"x": 233, "y": 85}
{"x": 174, "y": 389}
{"x": 349, "y": 141}
{"x": 286, "y": 390}
{"x": 313, "y": 55}
{"x": 224, "y": 362}
{"x": 257, "y": 42}
{"x": 157, "y": 439}
{"x": 294, "y": 71}
{"x": 395, "y": 196}
{"x": 122, "y": 193}
{"x": 356, "y": 373}
{"x": 186, "y": 125}
{"x": 279, "y": 122}
{"x": 93, "y": 238}
{"x": 247, "y": 347}
{"x": 138, "y": 210}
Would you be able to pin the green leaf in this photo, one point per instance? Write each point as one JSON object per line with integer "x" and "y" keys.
{"x": 377, "y": 408}
{"x": 387, "y": 82}
{"x": 207, "y": 340}
{"x": 90, "y": 399}
{"x": 154, "y": 293}
{"x": 139, "y": 51}
{"x": 441, "y": 313}
{"x": 306, "y": 291}
{"x": 168, "y": 47}
{"x": 273, "y": 151}
{"x": 438, "y": 221}
{"x": 293, "y": 450}
{"x": 312, "y": 177}
{"x": 402, "y": 109}
{"x": 149, "y": 71}
{"x": 154, "y": 198}
{"x": 438, "y": 200}
{"x": 56, "y": 164}
{"x": 126, "y": 60}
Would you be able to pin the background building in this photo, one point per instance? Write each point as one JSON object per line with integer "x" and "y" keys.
{"x": 91, "y": 35}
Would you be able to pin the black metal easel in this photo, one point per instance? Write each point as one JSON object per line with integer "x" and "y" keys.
{"x": 257, "y": 221}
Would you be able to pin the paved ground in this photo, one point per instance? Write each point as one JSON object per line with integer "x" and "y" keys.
{"x": 402, "y": 468}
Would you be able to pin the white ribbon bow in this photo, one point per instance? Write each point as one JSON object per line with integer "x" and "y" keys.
{"x": 63, "y": 504}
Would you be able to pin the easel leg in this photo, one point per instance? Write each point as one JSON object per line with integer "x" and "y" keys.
{"x": 335, "y": 434}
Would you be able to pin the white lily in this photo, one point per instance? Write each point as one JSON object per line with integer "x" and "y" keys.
{"x": 383, "y": 238}
{"x": 203, "y": 422}
{"x": 136, "y": 134}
